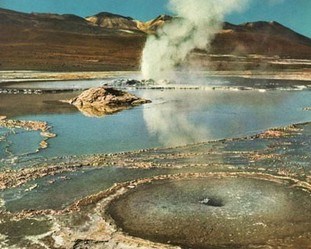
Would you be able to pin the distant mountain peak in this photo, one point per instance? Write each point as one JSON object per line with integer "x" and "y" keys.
{"x": 110, "y": 15}
{"x": 271, "y": 28}
{"x": 152, "y": 25}
{"x": 113, "y": 21}
{"x": 163, "y": 18}
{"x": 106, "y": 33}
{"x": 64, "y": 17}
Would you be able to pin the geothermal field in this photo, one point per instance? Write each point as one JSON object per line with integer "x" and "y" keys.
{"x": 180, "y": 132}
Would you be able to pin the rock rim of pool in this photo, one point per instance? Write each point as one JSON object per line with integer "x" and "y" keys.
{"x": 100, "y": 101}
{"x": 234, "y": 218}
{"x": 239, "y": 222}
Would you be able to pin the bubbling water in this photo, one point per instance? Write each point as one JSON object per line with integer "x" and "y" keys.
{"x": 212, "y": 211}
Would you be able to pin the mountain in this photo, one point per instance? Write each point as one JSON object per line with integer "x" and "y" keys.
{"x": 105, "y": 41}
{"x": 53, "y": 22}
{"x": 152, "y": 25}
{"x": 268, "y": 29}
{"x": 65, "y": 43}
{"x": 112, "y": 21}
{"x": 265, "y": 38}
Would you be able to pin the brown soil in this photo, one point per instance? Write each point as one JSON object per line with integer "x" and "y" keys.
{"x": 60, "y": 51}
{"x": 69, "y": 43}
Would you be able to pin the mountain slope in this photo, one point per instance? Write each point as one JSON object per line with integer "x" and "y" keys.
{"x": 69, "y": 23}
{"x": 268, "y": 28}
{"x": 64, "y": 42}
{"x": 266, "y": 38}
{"x": 112, "y": 21}
{"x": 112, "y": 42}
{"x": 154, "y": 24}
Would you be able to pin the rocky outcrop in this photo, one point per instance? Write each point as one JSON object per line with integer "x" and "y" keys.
{"x": 113, "y": 21}
{"x": 153, "y": 25}
{"x": 41, "y": 126}
{"x": 27, "y": 125}
{"x": 100, "y": 101}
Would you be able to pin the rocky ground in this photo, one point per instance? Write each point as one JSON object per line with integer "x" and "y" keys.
{"x": 29, "y": 126}
{"x": 9, "y": 78}
{"x": 99, "y": 101}
{"x": 279, "y": 155}
{"x": 15, "y": 76}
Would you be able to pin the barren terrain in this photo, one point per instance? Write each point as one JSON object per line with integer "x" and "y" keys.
{"x": 104, "y": 42}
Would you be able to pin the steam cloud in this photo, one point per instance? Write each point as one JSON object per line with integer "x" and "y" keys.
{"x": 195, "y": 27}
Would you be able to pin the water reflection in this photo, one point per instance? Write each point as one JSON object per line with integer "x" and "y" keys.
{"x": 175, "y": 117}
{"x": 188, "y": 116}
{"x": 12, "y": 105}
{"x": 172, "y": 126}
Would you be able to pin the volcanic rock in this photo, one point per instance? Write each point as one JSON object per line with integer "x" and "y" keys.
{"x": 100, "y": 101}
{"x": 43, "y": 144}
{"x": 153, "y": 25}
{"x": 48, "y": 134}
{"x": 113, "y": 21}
{"x": 22, "y": 124}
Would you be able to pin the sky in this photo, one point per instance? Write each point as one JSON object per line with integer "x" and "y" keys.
{"x": 295, "y": 14}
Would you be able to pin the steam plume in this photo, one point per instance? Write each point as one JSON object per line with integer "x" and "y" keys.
{"x": 195, "y": 26}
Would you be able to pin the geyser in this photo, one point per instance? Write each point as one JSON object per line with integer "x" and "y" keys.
{"x": 194, "y": 27}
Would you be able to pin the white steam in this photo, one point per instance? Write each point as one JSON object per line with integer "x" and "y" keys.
{"x": 196, "y": 24}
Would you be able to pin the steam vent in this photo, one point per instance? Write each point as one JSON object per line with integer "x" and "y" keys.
{"x": 215, "y": 211}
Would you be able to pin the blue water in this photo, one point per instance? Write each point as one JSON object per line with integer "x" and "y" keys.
{"x": 175, "y": 117}
{"x": 66, "y": 188}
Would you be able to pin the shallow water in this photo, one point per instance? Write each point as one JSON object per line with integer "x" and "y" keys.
{"x": 175, "y": 117}
{"x": 60, "y": 191}
{"x": 59, "y": 85}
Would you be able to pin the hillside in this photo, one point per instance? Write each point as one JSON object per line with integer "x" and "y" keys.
{"x": 265, "y": 38}
{"x": 151, "y": 26}
{"x": 112, "y": 21}
{"x": 64, "y": 42}
{"x": 112, "y": 42}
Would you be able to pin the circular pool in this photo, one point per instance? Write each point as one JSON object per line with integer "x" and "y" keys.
{"x": 215, "y": 212}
